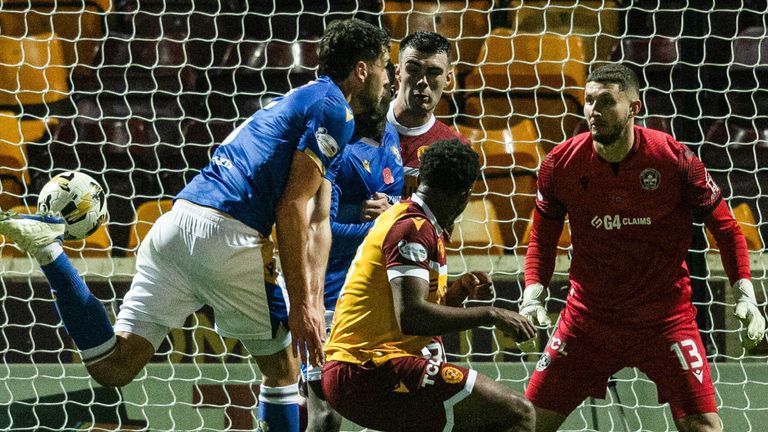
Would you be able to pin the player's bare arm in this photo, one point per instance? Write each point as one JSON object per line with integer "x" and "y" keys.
{"x": 417, "y": 316}
{"x": 306, "y": 315}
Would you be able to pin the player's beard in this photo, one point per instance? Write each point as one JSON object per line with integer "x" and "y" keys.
{"x": 371, "y": 122}
{"x": 610, "y": 137}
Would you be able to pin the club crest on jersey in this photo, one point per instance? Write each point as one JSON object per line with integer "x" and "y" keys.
{"x": 650, "y": 179}
{"x": 412, "y": 251}
{"x": 543, "y": 362}
{"x": 451, "y": 375}
{"x": 326, "y": 142}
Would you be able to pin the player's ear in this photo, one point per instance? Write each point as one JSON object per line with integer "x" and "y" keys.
{"x": 361, "y": 71}
{"x": 635, "y": 107}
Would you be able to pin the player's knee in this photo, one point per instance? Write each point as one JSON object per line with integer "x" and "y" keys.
{"x": 524, "y": 413}
{"x": 700, "y": 423}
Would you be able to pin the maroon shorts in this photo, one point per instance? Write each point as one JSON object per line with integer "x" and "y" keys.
{"x": 403, "y": 394}
{"x": 578, "y": 361}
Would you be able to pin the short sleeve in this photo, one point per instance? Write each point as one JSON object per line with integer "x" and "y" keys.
{"x": 408, "y": 247}
{"x": 700, "y": 192}
{"x": 328, "y": 128}
{"x": 546, "y": 202}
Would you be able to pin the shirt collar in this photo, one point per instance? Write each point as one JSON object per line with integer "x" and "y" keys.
{"x": 420, "y": 201}
{"x": 406, "y": 131}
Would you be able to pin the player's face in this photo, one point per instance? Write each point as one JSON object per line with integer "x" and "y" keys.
{"x": 422, "y": 78}
{"x": 607, "y": 110}
{"x": 376, "y": 85}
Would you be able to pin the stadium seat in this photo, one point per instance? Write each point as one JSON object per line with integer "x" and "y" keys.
{"x": 77, "y": 24}
{"x": 464, "y": 23}
{"x": 503, "y": 150}
{"x": 555, "y": 118}
{"x": 596, "y": 21}
{"x": 98, "y": 244}
{"x": 477, "y": 231}
{"x": 512, "y": 198}
{"x": 34, "y": 71}
{"x": 14, "y": 162}
{"x": 523, "y": 63}
{"x": 563, "y": 244}
{"x": 146, "y": 215}
{"x": 749, "y": 227}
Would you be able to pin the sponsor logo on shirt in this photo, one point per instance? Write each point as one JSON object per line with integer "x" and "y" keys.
{"x": 415, "y": 252}
{"x": 432, "y": 369}
{"x": 615, "y": 222}
{"x": 650, "y": 179}
{"x": 326, "y": 142}
{"x": 220, "y": 161}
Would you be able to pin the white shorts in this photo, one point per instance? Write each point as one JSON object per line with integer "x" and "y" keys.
{"x": 194, "y": 256}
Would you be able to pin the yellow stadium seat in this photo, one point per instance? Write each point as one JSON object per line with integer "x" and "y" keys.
{"x": 746, "y": 219}
{"x": 14, "y": 135}
{"x": 512, "y": 198}
{"x": 477, "y": 230}
{"x": 465, "y": 23}
{"x": 554, "y": 118}
{"x": 527, "y": 63}
{"x": 501, "y": 150}
{"x": 34, "y": 70}
{"x": 563, "y": 243}
{"x": 78, "y": 25}
{"x": 98, "y": 244}
{"x": 146, "y": 215}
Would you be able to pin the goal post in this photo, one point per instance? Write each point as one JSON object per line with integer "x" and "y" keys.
{"x": 138, "y": 94}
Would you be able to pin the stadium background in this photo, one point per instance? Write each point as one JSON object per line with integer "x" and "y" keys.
{"x": 137, "y": 93}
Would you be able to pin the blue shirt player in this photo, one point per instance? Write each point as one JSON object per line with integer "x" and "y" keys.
{"x": 214, "y": 246}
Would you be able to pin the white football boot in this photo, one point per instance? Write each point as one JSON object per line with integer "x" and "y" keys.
{"x": 31, "y": 232}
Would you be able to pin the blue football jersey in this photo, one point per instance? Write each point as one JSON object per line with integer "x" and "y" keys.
{"x": 364, "y": 168}
{"x": 248, "y": 172}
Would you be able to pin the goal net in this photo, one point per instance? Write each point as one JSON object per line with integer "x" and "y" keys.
{"x": 138, "y": 94}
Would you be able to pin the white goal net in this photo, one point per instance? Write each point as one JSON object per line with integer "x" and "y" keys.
{"x": 138, "y": 94}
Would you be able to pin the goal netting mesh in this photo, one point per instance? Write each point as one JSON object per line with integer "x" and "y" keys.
{"x": 138, "y": 93}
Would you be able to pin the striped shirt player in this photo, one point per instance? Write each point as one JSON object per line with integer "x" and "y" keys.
{"x": 630, "y": 298}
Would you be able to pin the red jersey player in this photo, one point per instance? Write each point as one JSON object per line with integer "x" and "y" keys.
{"x": 423, "y": 73}
{"x": 631, "y": 195}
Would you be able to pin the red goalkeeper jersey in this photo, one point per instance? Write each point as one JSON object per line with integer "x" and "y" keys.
{"x": 631, "y": 225}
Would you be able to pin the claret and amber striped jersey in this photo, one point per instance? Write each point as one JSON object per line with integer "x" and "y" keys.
{"x": 405, "y": 241}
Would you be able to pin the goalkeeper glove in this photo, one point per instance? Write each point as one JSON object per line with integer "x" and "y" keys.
{"x": 748, "y": 313}
{"x": 532, "y": 307}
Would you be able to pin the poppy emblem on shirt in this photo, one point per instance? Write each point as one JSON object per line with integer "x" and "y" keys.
{"x": 650, "y": 179}
{"x": 388, "y": 179}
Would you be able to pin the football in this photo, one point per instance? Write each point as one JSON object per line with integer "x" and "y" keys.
{"x": 79, "y": 199}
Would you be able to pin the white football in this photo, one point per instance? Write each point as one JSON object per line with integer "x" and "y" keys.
{"x": 79, "y": 199}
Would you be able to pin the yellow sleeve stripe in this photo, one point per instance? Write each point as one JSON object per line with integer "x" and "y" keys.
{"x": 316, "y": 159}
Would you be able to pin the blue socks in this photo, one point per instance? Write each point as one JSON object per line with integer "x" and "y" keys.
{"x": 83, "y": 315}
{"x": 278, "y": 408}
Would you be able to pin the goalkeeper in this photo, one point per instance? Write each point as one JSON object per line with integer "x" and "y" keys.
{"x": 631, "y": 195}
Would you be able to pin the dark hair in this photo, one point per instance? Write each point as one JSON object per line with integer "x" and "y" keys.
{"x": 427, "y": 43}
{"x": 345, "y": 42}
{"x": 450, "y": 165}
{"x": 616, "y": 74}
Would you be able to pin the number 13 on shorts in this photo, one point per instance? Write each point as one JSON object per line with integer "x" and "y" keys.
{"x": 688, "y": 354}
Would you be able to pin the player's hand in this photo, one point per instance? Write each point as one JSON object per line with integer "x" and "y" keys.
{"x": 477, "y": 286}
{"x": 513, "y": 324}
{"x": 748, "y": 313}
{"x": 375, "y": 206}
{"x": 307, "y": 324}
{"x": 532, "y": 307}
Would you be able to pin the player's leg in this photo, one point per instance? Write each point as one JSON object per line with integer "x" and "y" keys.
{"x": 675, "y": 359}
{"x": 237, "y": 278}
{"x": 321, "y": 417}
{"x": 575, "y": 364}
{"x": 493, "y": 407}
{"x": 83, "y": 315}
{"x": 706, "y": 422}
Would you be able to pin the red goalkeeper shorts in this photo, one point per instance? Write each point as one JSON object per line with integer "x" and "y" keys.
{"x": 578, "y": 361}
{"x": 403, "y": 394}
